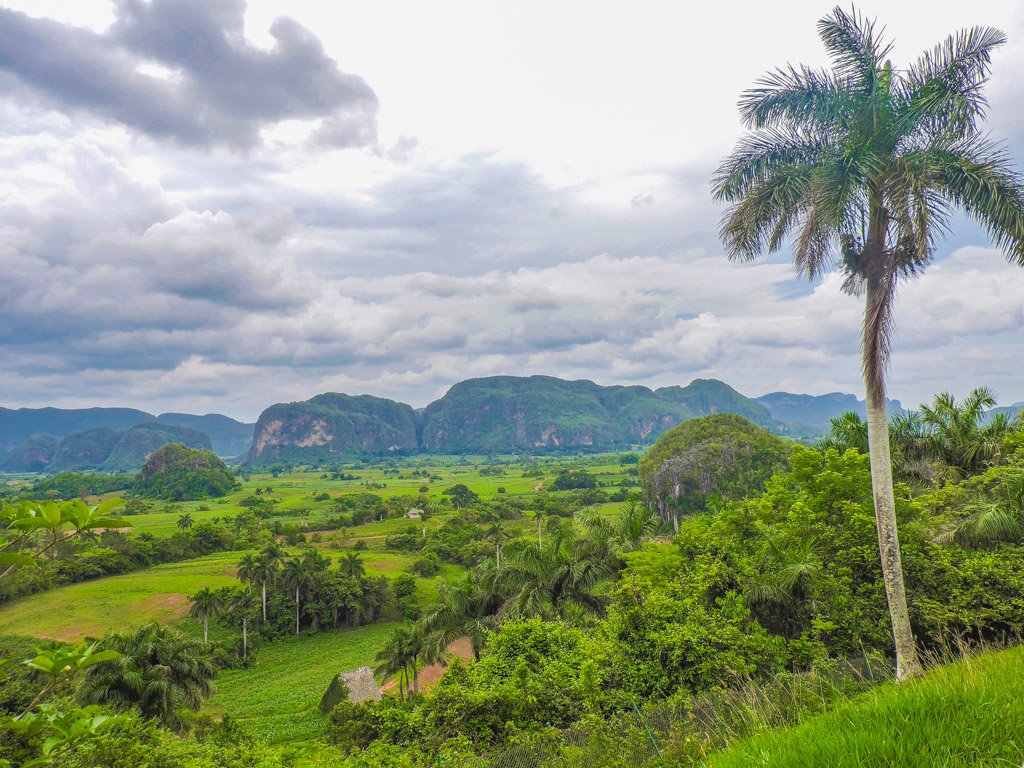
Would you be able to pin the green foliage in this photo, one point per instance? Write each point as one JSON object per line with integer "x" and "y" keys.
{"x": 571, "y": 480}
{"x": 178, "y": 473}
{"x": 722, "y": 455}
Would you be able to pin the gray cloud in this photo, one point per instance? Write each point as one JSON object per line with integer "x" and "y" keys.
{"x": 220, "y": 89}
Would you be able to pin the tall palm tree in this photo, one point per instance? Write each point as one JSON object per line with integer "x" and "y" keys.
{"x": 298, "y": 576}
{"x": 184, "y": 521}
{"x": 497, "y": 535}
{"x": 242, "y": 604}
{"x": 271, "y": 561}
{"x": 206, "y": 603}
{"x": 862, "y": 165}
{"x": 248, "y": 569}
{"x": 159, "y": 671}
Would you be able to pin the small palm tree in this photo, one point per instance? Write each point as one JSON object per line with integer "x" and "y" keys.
{"x": 206, "y": 603}
{"x": 398, "y": 655}
{"x": 159, "y": 670}
{"x": 990, "y": 522}
{"x": 961, "y": 434}
{"x": 352, "y": 565}
{"x": 862, "y": 165}
{"x": 185, "y": 521}
{"x": 465, "y": 608}
{"x": 271, "y": 561}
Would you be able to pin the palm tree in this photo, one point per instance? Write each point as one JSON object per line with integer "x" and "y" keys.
{"x": 466, "y": 608}
{"x": 558, "y": 577}
{"x": 249, "y": 569}
{"x": 298, "y": 576}
{"x": 159, "y": 671}
{"x": 961, "y": 434}
{"x": 206, "y": 603}
{"x": 862, "y": 165}
{"x": 846, "y": 431}
{"x": 185, "y": 521}
{"x": 271, "y": 560}
{"x": 497, "y": 535}
{"x": 398, "y": 655}
{"x": 242, "y": 605}
{"x": 351, "y": 565}
{"x": 990, "y": 522}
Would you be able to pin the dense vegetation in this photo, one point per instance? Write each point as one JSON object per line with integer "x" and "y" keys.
{"x": 719, "y": 457}
{"x": 178, "y": 473}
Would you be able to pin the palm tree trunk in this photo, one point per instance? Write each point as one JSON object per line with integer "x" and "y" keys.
{"x": 497, "y": 556}
{"x": 206, "y": 630}
{"x": 876, "y": 323}
{"x": 415, "y": 679}
{"x": 264, "y": 602}
{"x": 245, "y": 637}
{"x": 296, "y": 611}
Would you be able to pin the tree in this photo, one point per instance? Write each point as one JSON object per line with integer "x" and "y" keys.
{"x": 399, "y": 656}
{"x": 961, "y": 434}
{"x": 242, "y": 605}
{"x": 461, "y": 495}
{"x": 298, "y": 576}
{"x": 206, "y": 603}
{"x": 58, "y": 521}
{"x": 351, "y": 565}
{"x": 271, "y": 559}
{"x": 185, "y": 521}
{"x": 159, "y": 671}
{"x": 862, "y": 166}
{"x": 465, "y": 608}
{"x": 497, "y": 535}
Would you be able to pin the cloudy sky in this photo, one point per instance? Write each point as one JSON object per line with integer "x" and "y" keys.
{"x": 218, "y": 205}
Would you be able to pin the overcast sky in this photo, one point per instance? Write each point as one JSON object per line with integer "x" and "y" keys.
{"x": 215, "y": 206}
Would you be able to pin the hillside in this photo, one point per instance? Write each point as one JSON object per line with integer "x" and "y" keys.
{"x": 175, "y": 472}
{"x": 809, "y": 415}
{"x": 134, "y": 446}
{"x": 332, "y": 425}
{"x": 31, "y": 455}
{"x": 966, "y": 714}
{"x": 229, "y": 437}
{"x": 500, "y": 414}
{"x": 18, "y": 425}
{"x": 84, "y": 450}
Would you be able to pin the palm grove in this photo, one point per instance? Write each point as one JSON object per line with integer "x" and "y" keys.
{"x": 777, "y": 565}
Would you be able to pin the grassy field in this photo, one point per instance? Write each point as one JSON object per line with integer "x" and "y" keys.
{"x": 965, "y": 715}
{"x": 277, "y": 699}
{"x": 159, "y": 593}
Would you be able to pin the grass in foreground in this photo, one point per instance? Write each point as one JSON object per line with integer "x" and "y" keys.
{"x": 970, "y": 713}
{"x": 276, "y": 700}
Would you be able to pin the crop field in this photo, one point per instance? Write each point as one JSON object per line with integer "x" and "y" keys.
{"x": 276, "y": 700}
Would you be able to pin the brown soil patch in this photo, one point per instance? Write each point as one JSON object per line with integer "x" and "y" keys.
{"x": 539, "y": 486}
{"x": 429, "y": 675}
{"x": 69, "y": 635}
{"x": 168, "y": 606}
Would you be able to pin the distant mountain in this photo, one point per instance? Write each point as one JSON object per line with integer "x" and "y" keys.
{"x": 333, "y": 425}
{"x": 134, "y": 446}
{"x": 1009, "y": 410}
{"x": 809, "y": 415}
{"x": 31, "y": 455}
{"x": 509, "y": 413}
{"x": 21, "y": 424}
{"x": 230, "y": 438}
{"x": 500, "y": 414}
{"x": 84, "y": 450}
{"x": 35, "y": 439}
{"x": 706, "y": 396}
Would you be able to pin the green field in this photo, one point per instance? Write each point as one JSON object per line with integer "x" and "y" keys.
{"x": 276, "y": 700}
{"x": 160, "y": 593}
{"x": 965, "y": 715}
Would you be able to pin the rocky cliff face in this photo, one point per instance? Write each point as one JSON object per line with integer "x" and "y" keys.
{"x": 334, "y": 425}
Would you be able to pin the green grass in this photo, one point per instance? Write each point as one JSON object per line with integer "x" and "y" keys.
{"x": 970, "y": 713}
{"x": 276, "y": 700}
{"x": 159, "y": 593}
{"x": 117, "y": 602}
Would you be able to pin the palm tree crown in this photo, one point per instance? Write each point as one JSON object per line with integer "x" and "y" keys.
{"x": 861, "y": 167}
